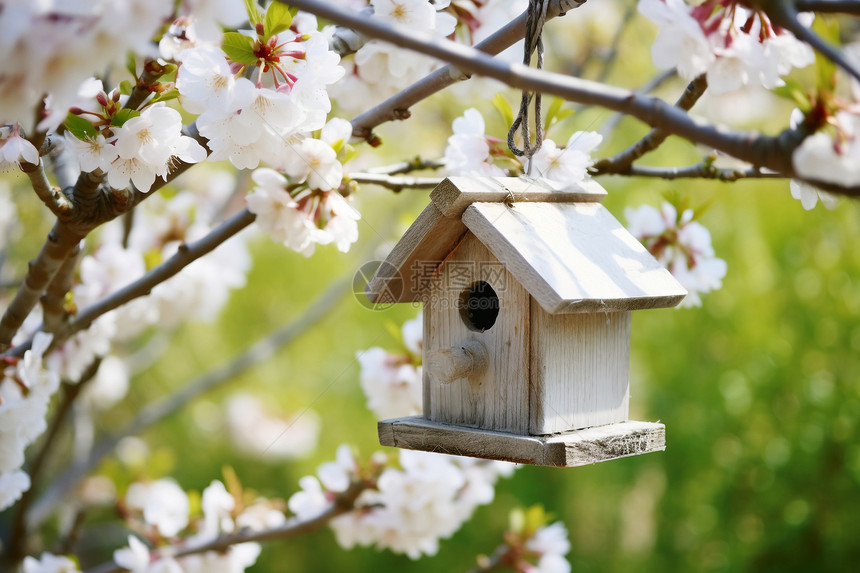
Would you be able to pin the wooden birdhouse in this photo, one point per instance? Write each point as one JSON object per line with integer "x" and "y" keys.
{"x": 526, "y": 295}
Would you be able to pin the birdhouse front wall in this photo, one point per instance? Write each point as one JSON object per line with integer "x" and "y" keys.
{"x": 497, "y": 398}
{"x": 580, "y": 370}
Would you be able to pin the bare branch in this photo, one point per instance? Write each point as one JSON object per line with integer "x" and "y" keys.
{"x": 396, "y": 184}
{"x": 343, "y": 503}
{"x": 53, "y": 301}
{"x": 416, "y": 164}
{"x": 162, "y": 408}
{"x": 769, "y": 152}
{"x": 621, "y": 162}
{"x": 61, "y": 242}
{"x": 397, "y": 106}
{"x": 702, "y": 170}
{"x": 828, "y": 6}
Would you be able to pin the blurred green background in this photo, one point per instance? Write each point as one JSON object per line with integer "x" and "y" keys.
{"x": 759, "y": 388}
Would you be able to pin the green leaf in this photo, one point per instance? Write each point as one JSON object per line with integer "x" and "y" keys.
{"x": 131, "y": 64}
{"x": 254, "y": 16}
{"x": 555, "y": 113}
{"x": 278, "y": 19}
{"x": 166, "y": 96}
{"x": 239, "y": 48}
{"x": 122, "y": 116}
{"x": 793, "y": 90}
{"x": 504, "y": 108}
{"x": 80, "y": 127}
{"x": 125, "y": 87}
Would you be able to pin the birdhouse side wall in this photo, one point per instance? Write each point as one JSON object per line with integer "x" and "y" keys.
{"x": 497, "y": 399}
{"x": 580, "y": 367}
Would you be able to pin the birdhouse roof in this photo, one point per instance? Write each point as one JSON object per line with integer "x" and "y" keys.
{"x": 564, "y": 247}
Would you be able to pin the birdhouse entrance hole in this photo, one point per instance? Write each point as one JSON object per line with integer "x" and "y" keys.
{"x": 479, "y": 306}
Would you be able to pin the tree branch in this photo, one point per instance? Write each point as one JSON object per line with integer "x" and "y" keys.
{"x": 158, "y": 410}
{"x": 343, "y": 503}
{"x": 53, "y": 199}
{"x": 621, "y": 162}
{"x": 769, "y": 152}
{"x": 828, "y": 6}
{"x": 702, "y": 170}
{"x": 397, "y": 106}
{"x": 61, "y": 242}
{"x": 396, "y": 184}
{"x": 53, "y": 301}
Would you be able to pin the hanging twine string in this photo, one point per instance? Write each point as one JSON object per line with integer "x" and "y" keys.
{"x": 534, "y": 26}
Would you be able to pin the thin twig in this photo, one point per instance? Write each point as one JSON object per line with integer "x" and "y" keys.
{"x": 163, "y": 407}
{"x": 416, "y": 164}
{"x": 293, "y": 527}
{"x": 702, "y": 170}
{"x": 828, "y": 6}
{"x": 397, "y": 106}
{"x": 396, "y": 184}
{"x": 769, "y": 152}
{"x": 621, "y": 162}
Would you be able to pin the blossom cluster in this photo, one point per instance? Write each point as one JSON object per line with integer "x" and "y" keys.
{"x": 160, "y": 511}
{"x": 392, "y": 381}
{"x": 25, "y": 392}
{"x": 733, "y": 45}
{"x": 407, "y": 509}
{"x": 682, "y": 245}
{"x": 58, "y": 44}
{"x": 471, "y": 152}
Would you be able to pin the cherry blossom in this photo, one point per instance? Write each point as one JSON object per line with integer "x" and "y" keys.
{"x": 49, "y": 563}
{"x": 562, "y": 167}
{"x": 682, "y": 245}
{"x": 823, "y": 157}
{"x": 303, "y": 220}
{"x": 135, "y": 557}
{"x": 14, "y": 149}
{"x": 57, "y": 45}
{"x": 468, "y": 150}
{"x": 162, "y": 504}
{"x": 733, "y": 45}
{"x": 551, "y": 543}
{"x": 146, "y": 144}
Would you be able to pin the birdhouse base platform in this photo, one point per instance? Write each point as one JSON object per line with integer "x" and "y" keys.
{"x": 568, "y": 449}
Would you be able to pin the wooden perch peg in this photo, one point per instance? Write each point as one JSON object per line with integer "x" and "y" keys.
{"x": 468, "y": 359}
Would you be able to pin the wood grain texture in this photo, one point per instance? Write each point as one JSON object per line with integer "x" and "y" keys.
{"x": 580, "y": 367}
{"x": 413, "y": 261}
{"x": 454, "y": 194}
{"x": 497, "y": 399}
{"x": 570, "y": 449}
{"x": 573, "y": 257}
